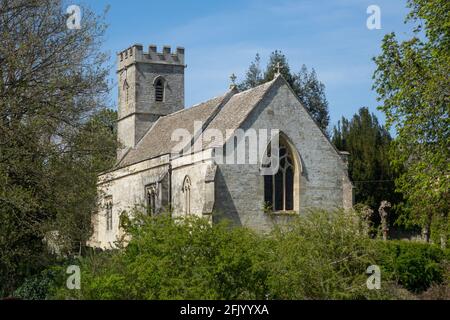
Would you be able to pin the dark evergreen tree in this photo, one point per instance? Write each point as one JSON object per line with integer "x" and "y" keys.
{"x": 369, "y": 167}
{"x": 254, "y": 75}
{"x": 311, "y": 93}
{"x": 306, "y": 86}
{"x": 278, "y": 61}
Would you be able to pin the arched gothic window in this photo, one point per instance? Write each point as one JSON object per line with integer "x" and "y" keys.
{"x": 187, "y": 195}
{"x": 279, "y": 188}
{"x": 159, "y": 89}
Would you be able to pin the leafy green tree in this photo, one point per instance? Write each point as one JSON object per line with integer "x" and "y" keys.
{"x": 412, "y": 81}
{"x": 74, "y": 180}
{"x": 53, "y": 85}
{"x": 310, "y": 91}
{"x": 369, "y": 165}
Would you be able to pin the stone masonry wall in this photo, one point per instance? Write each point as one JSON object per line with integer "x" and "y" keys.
{"x": 240, "y": 188}
{"x": 126, "y": 186}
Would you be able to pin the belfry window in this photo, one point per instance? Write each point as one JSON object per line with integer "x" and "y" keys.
{"x": 159, "y": 90}
{"x": 187, "y": 195}
{"x": 279, "y": 188}
{"x": 151, "y": 196}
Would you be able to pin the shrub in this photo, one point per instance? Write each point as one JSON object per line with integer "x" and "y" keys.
{"x": 322, "y": 255}
{"x": 40, "y": 286}
{"x": 414, "y": 265}
{"x": 319, "y": 255}
{"x": 170, "y": 258}
{"x": 34, "y": 288}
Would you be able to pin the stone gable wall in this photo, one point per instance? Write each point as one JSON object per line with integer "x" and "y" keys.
{"x": 323, "y": 181}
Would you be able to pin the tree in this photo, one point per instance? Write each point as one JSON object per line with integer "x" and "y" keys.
{"x": 278, "y": 60}
{"x": 311, "y": 93}
{"x": 53, "y": 81}
{"x": 369, "y": 165}
{"x": 74, "y": 179}
{"x": 306, "y": 86}
{"x": 412, "y": 81}
{"x": 254, "y": 75}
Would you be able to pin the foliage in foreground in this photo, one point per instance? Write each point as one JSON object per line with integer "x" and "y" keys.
{"x": 414, "y": 265}
{"x": 43, "y": 285}
{"x": 178, "y": 259}
{"x": 321, "y": 255}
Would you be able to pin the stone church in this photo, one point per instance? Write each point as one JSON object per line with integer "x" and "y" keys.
{"x": 155, "y": 171}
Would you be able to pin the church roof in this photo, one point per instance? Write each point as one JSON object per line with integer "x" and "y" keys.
{"x": 225, "y": 112}
{"x": 236, "y": 110}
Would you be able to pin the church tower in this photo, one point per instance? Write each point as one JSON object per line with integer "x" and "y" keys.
{"x": 151, "y": 85}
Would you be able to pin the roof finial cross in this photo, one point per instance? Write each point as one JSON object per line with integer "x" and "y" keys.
{"x": 233, "y": 80}
{"x": 279, "y": 67}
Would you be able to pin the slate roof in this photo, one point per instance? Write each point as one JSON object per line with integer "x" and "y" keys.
{"x": 223, "y": 113}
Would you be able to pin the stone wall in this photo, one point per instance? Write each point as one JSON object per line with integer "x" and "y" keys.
{"x": 234, "y": 191}
{"x": 323, "y": 180}
{"x": 126, "y": 186}
{"x": 137, "y": 72}
{"x": 174, "y": 88}
{"x": 201, "y": 171}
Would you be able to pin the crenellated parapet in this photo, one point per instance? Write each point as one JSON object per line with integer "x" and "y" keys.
{"x": 136, "y": 53}
{"x": 150, "y": 85}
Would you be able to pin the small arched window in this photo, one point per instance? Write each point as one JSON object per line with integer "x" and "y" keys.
{"x": 159, "y": 90}
{"x": 151, "y": 195}
{"x": 187, "y": 195}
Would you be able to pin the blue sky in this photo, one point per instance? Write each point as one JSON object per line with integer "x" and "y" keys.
{"x": 222, "y": 37}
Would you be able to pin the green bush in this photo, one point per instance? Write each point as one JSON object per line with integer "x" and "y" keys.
{"x": 34, "y": 288}
{"x": 416, "y": 266}
{"x": 320, "y": 255}
{"x": 41, "y": 286}
{"x": 177, "y": 259}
